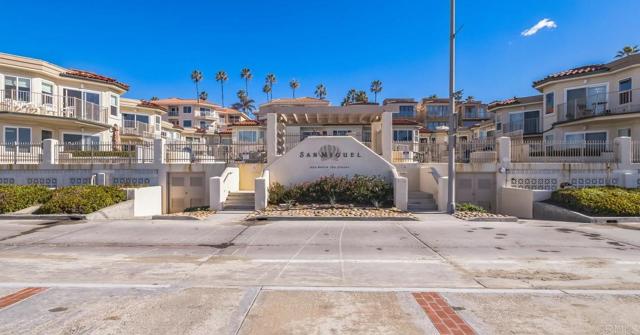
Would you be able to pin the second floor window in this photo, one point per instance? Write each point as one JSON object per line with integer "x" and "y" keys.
{"x": 113, "y": 101}
{"x": 17, "y": 88}
{"x": 624, "y": 86}
{"x": 173, "y": 111}
{"x": 437, "y": 111}
{"x": 186, "y": 123}
{"x": 407, "y": 112}
{"x": 549, "y": 102}
{"x": 186, "y": 109}
{"x": 47, "y": 94}
{"x": 403, "y": 135}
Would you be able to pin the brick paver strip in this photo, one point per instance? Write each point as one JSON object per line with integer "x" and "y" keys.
{"x": 443, "y": 317}
{"x": 13, "y": 298}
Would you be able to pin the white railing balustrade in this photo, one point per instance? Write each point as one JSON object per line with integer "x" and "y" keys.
{"x": 52, "y": 105}
{"x": 523, "y": 151}
{"x": 20, "y": 153}
{"x": 103, "y": 153}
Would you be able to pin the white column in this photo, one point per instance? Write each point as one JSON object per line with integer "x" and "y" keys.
{"x": 215, "y": 193}
{"x": 624, "y": 150}
{"x": 159, "y": 153}
{"x": 49, "y": 152}
{"x": 504, "y": 151}
{"x": 387, "y": 136}
{"x": 262, "y": 191}
{"x": 271, "y": 140}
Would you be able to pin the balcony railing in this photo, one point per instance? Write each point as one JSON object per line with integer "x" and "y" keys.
{"x": 52, "y": 105}
{"x": 173, "y": 113}
{"x": 525, "y": 151}
{"x": 618, "y": 102}
{"x": 103, "y": 153}
{"x": 476, "y": 114}
{"x": 476, "y": 151}
{"x": 20, "y": 153}
{"x": 137, "y": 128}
{"x": 187, "y": 153}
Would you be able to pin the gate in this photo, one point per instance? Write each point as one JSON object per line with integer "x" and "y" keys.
{"x": 186, "y": 190}
{"x": 248, "y": 174}
{"x": 476, "y": 188}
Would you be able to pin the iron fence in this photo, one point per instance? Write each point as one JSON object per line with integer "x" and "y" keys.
{"x": 20, "y": 153}
{"x": 562, "y": 151}
{"x": 103, "y": 153}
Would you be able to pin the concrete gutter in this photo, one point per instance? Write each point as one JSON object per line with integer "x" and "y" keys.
{"x": 502, "y": 219}
{"x": 174, "y": 217}
{"x": 546, "y": 211}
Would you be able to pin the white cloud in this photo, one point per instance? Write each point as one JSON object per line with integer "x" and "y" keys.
{"x": 544, "y": 23}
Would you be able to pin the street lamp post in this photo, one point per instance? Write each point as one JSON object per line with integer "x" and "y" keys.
{"x": 453, "y": 122}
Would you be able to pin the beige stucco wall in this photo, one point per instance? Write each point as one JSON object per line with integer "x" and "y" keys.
{"x": 611, "y": 79}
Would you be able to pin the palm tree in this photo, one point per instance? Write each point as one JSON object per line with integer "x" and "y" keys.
{"x": 244, "y": 104}
{"x": 321, "y": 91}
{"x": 246, "y": 75}
{"x": 270, "y": 80}
{"x": 471, "y": 98}
{"x": 457, "y": 95}
{"x": 196, "y": 77}
{"x": 294, "y": 84}
{"x": 221, "y": 77}
{"x": 361, "y": 97}
{"x": 627, "y": 51}
{"x": 376, "y": 87}
{"x": 433, "y": 96}
{"x": 349, "y": 98}
{"x": 266, "y": 89}
{"x": 154, "y": 98}
{"x": 203, "y": 96}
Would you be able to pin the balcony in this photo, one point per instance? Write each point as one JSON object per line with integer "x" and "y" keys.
{"x": 212, "y": 116}
{"x": 137, "y": 128}
{"x": 173, "y": 113}
{"x": 612, "y": 103}
{"x": 476, "y": 114}
{"x": 53, "y": 106}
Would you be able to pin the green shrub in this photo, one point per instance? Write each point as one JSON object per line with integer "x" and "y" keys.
{"x": 467, "y": 207}
{"x": 360, "y": 190}
{"x": 16, "y": 197}
{"x": 82, "y": 199}
{"x": 599, "y": 201}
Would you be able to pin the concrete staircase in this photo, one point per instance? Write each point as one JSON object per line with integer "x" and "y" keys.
{"x": 421, "y": 202}
{"x": 240, "y": 201}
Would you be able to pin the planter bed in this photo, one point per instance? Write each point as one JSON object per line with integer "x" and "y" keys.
{"x": 483, "y": 216}
{"x": 333, "y": 212}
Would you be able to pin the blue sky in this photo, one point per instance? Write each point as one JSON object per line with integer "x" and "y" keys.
{"x": 343, "y": 44}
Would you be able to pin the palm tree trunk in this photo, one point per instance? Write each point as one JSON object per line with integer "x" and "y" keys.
{"x": 246, "y": 86}
{"x": 222, "y": 93}
{"x": 197, "y": 93}
{"x": 375, "y": 97}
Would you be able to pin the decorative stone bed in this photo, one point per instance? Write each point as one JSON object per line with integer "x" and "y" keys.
{"x": 329, "y": 211}
{"x": 196, "y": 215}
{"x": 483, "y": 216}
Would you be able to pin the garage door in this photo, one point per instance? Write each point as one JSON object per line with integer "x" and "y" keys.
{"x": 476, "y": 188}
{"x": 186, "y": 190}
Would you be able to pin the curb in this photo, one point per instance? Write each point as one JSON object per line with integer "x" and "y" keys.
{"x": 504, "y": 219}
{"x": 42, "y": 217}
{"x": 173, "y": 217}
{"x": 329, "y": 218}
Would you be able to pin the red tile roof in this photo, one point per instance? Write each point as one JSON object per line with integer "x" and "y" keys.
{"x": 225, "y": 131}
{"x": 81, "y": 74}
{"x": 247, "y": 123}
{"x": 575, "y": 72}
{"x": 404, "y": 122}
{"x": 149, "y": 104}
{"x": 516, "y": 101}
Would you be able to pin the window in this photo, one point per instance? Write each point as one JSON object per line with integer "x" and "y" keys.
{"x": 435, "y": 124}
{"x": 204, "y": 125}
{"x": 406, "y": 112}
{"x": 46, "y": 134}
{"x": 438, "y": 111}
{"x": 16, "y": 135}
{"x": 624, "y": 86}
{"x": 247, "y": 136}
{"x": 113, "y": 103}
{"x": 624, "y": 132}
{"x": 186, "y": 109}
{"x": 548, "y": 138}
{"x": 17, "y": 88}
{"x": 205, "y": 111}
{"x": 173, "y": 111}
{"x": 549, "y": 103}
{"x": 158, "y": 123}
{"x": 581, "y": 138}
{"x": 186, "y": 123}
{"x": 80, "y": 142}
{"x": 586, "y": 101}
{"x": 340, "y": 132}
{"x": 498, "y": 125}
{"x": 131, "y": 120}
{"x": 47, "y": 94}
{"x": 403, "y": 135}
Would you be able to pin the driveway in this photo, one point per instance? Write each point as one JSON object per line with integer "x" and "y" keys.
{"x": 224, "y": 275}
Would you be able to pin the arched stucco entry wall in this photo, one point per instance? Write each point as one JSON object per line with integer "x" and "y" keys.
{"x": 319, "y": 156}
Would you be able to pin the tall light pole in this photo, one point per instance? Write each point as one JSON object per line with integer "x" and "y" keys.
{"x": 453, "y": 122}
